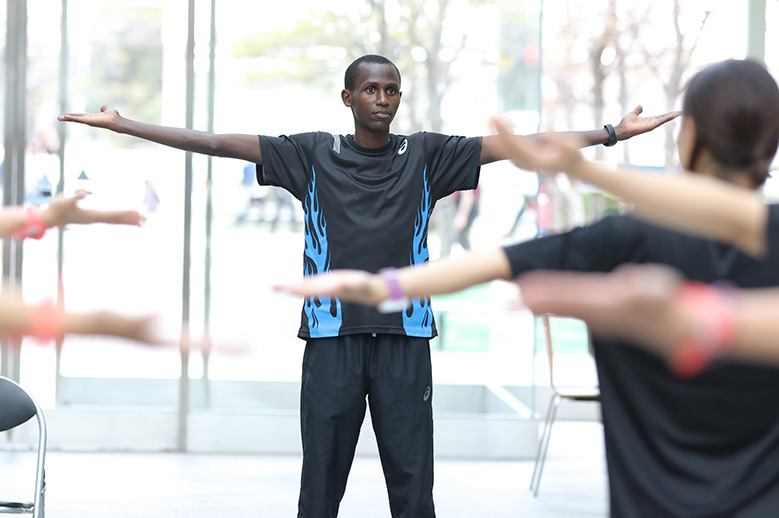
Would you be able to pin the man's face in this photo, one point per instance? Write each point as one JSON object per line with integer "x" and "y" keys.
{"x": 376, "y": 96}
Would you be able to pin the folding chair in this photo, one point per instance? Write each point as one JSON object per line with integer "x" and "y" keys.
{"x": 17, "y": 407}
{"x": 559, "y": 393}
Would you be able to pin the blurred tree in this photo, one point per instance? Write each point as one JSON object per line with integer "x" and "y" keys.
{"x": 413, "y": 33}
{"x": 416, "y": 35}
{"x": 672, "y": 63}
{"x": 126, "y": 62}
{"x": 605, "y": 51}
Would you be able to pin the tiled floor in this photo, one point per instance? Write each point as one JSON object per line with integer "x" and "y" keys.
{"x": 135, "y": 484}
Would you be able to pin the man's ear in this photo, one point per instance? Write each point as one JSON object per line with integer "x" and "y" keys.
{"x": 346, "y": 97}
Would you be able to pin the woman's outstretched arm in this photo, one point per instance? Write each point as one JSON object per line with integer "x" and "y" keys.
{"x": 444, "y": 276}
{"x": 690, "y": 203}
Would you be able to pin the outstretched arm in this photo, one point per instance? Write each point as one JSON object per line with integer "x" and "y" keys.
{"x": 630, "y": 126}
{"x": 60, "y": 212}
{"x": 244, "y": 147}
{"x": 690, "y": 203}
{"x": 443, "y": 276}
{"x": 647, "y": 305}
{"x": 45, "y": 322}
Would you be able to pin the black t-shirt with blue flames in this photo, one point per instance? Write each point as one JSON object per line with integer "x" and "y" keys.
{"x": 366, "y": 209}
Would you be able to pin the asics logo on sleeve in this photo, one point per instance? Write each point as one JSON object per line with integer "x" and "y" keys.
{"x": 403, "y": 147}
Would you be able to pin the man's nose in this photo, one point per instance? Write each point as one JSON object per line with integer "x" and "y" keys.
{"x": 381, "y": 98}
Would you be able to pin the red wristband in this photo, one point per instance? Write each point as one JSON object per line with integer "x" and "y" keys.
{"x": 34, "y": 226}
{"x": 46, "y": 322}
{"x": 714, "y": 324}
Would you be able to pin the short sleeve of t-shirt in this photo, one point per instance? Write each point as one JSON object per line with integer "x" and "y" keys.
{"x": 594, "y": 248}
{"x": 288, "y": 159}
{"x": 453, "y": 157}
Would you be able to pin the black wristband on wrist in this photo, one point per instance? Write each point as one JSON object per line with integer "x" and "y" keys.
{"x": 612, "y": 135}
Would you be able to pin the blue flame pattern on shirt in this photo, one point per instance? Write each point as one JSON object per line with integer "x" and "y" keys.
{"x": 418, "y": 314}
{"x": 323, "y": 313}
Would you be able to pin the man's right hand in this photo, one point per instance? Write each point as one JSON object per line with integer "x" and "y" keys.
{"x": 107, "y": 118}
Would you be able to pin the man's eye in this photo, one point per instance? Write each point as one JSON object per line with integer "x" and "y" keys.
{"x": 370, "y": 89}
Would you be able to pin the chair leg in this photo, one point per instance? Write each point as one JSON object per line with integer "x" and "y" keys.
{"x": 40, "y": 505}
{"x": 542, "y": 441}
{"x": 543, "y": 444}
{"x": 40, "y": 476}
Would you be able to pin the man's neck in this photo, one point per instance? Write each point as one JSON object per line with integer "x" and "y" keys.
{"x": 368, "y": 139}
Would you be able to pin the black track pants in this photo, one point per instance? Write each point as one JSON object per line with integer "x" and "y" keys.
{"x": 394, "y": 373}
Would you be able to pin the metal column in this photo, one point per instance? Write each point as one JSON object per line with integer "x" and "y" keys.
{"x": 13, "y": 163}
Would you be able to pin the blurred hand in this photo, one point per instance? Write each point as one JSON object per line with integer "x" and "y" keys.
{"x": 349, "y": 285}
{"x": 548, "y": 152}
{"x": 65, "y": 210}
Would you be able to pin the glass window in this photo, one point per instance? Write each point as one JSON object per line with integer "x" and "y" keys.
{"x": 602, "y": 59}
{"x": 771, "y": 37}
{"x": 41, "y": 176}
{"x": 589, "y": 63}
{"x": 128, "y": 56}
{"x": 3, "y": 78}
{"x": 284, "y": 74}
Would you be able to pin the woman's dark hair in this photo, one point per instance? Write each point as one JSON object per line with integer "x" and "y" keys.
{"x": 351, "y": 72}
{"x": 735, "y": 107}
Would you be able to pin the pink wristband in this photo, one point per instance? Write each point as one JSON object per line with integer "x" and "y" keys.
{"x": 711, "y": 309}
{"x": 46, "y": 322}
{"x": 34, "y": 226}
